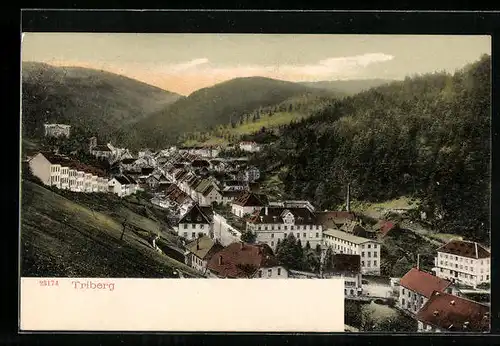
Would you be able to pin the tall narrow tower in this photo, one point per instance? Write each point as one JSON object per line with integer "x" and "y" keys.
{"x": 348, "y": 199}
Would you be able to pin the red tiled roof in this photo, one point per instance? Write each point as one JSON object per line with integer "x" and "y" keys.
{"x": 455, "y": 314}
{"x": 385, "y": 227}
{"x": 229, "y": 261}
{"x": 423, "y": 283}
{"x": 465, "y": 249}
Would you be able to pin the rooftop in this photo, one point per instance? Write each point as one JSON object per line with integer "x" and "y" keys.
{"x": 423, "y": 283}
{"x": 465, "y": 248}
{"x": 347, "y": 236}
{"x": 451, "y": 313}
{"x": 203, "y": 247}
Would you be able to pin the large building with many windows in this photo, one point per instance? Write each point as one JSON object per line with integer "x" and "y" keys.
{"x": 346, "y": 243}
{"x": 463, "y": 262}
{"x": 271, "y": 224}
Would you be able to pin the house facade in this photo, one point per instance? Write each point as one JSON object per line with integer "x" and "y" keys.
{"x": 416, "y": 287}
{"x": 273, "y": 223}
{"x": 248, "y": 203}
{"x": 122, "y": 186}
{"x": 199, "y": 252}
{"x": 347, "y": 267}
{"x": 346, "y": 243}
{"x": 196, "y": 221}
{"x": 241, "y": 260}
{"x": 65, "y": 173}
{"x": 463, "y": 262}
{"x": 249, "y": 147}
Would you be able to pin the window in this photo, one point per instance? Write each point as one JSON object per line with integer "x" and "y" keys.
{"x": 487, "y": 277}
{"x": 272, "y": 228}
{"x": 279, "y": 227}
{"x": 369, "y": 254}
{"x": 409, "y": 294}
{"x": 269, "y": 273}
{"x": 403, "y": 301}
{"x": 375, "y": 254}
{"x": 317, "y": 227}
{"x": 375, "y": 246}
{"x": 368, "y": 263}
{"x": 310, "y": 226}
{"x": 481, "y": 262}
{"x": 362, "y": 263}
{"x": 317, "y": 235}
{"x": 362, "y": 254}
{"x": 403, "y": 291}
{"x": 279, "y": 271}
{"x": 193, "y": 234}
{"x": 272, "y": 235}
{"x": 374, "y": 263}
{"x": 201, "y": 226}
{"x": 260, "y": 273}
{"x": 185, "y": 226}
{"x": 481, "y": 278}
{"x": 272, "y": 243}
{"x": 260, "y": 228}
{"x": 369, "y": 246}
{"x": 291, "y": 228}
{"x": 286, "y": 227}
{"x": 362, "y": 246}
{"x": 265, "y": 228}
{"x": 304, "y": 235}
{"x": 284, "y": 235}
{"x": 456, "y": 258}
{"x": 193, "y": 226}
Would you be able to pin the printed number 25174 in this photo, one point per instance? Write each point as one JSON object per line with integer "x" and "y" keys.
{"x": 49, "y": 283}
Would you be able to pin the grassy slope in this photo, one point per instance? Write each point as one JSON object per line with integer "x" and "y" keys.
{"x": 97, "y": 100}
{"x": 61, "y": 237}
{"x": 213, "y": 106}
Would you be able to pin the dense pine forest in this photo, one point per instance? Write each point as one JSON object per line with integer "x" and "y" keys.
{"x": 427, "y": 137}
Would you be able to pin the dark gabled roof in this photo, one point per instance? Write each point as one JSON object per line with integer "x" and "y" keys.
{"x": 123, "y": 180}
{"x": 249, "y": 199}
{"x": 455, "y": 314}
{"x": 234, "y": 183}
{"x": 128, "y": 161}
{"x": 196, "y": 215}
{"x": 423, "y": 283}
{"x": 274, "y": 215}
{"x": 229, "y": 261}
{"x": 101, "y": 147}
{"x": 147, "y": 170}
{"x": 465, "y": 248}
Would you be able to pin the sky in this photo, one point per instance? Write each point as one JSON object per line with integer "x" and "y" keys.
{"x": 183, "y": 63}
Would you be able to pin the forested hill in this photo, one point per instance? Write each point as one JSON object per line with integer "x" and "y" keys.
{"x": 427, "y": 136}
{"x": 92, "y": 100}
{"x": 348, "y": 87}
{"x": 207, "y": 108}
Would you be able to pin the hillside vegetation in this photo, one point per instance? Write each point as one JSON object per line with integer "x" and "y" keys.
{"x": 348, "y": 87}
{"x": 223, "y": 104}
{"x": 80, "y": 235}
{"x": 97, "y": 101}
{"x": 426, "y": 137}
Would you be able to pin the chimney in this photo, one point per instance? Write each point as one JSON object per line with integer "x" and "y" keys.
{"x": 220, "y": 259}
{"x": 476, "y": 248}
{"x": 435, "y": 313}
{"x": 266, "y": 214}
{"x": 348, "y": 202}
{"x": 452, "y": 302}
{"x": 418, "y": 262}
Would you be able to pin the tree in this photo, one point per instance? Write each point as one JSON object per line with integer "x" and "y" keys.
{"x": 248, "y": 236}
{"x": 308, "y": 246}
{"x": 248, "y": 270}
{"x": 287, "y": 253}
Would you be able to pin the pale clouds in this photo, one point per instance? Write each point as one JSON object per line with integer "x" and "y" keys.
{"x": 188, "y": 76}
{"x": 328, "y": 68}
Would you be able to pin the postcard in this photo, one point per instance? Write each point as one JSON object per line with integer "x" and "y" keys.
{"x": 165, "y": 177}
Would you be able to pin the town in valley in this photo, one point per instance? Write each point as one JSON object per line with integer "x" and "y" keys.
{"x": 229, "y": 203}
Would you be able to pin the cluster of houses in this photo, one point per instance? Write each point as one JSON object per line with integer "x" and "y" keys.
{"x": 437, "y": 300}
{"x": 213, "y": 204}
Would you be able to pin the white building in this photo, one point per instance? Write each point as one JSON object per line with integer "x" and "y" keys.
{"x": 123, "y": 186}
{"x": 248, "y": 203}
{"x": 251, "y": 174}
{"x": 249, "y": 146}
{"x": 240, "y": 260}
{"x": 463, "y": 262}
{"x": 64, "y": 173}
{"x": 273, "y": 223}
{"x": 416, "y": 287}
{"x": 367, "y": 249}
{"x": 57, "y": 130}
{"x": 196, "y": 221}
{"x": 199, "y": 252}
